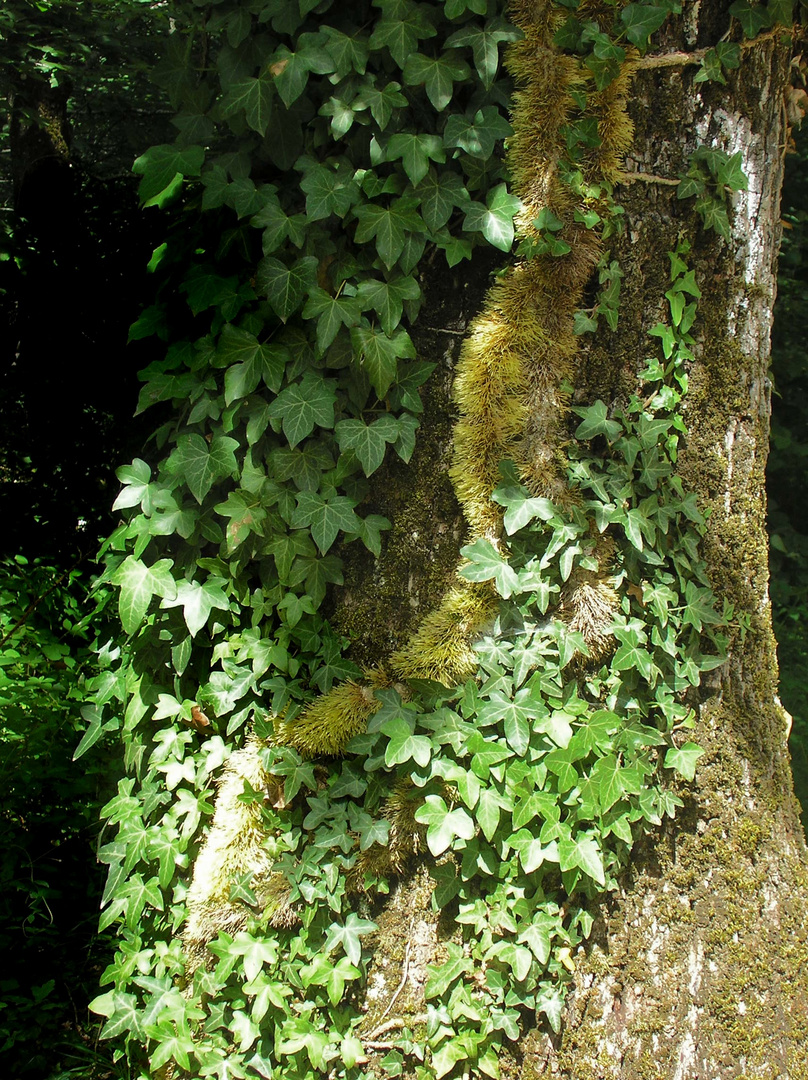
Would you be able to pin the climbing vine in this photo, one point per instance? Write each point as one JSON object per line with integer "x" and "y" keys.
{"x": 526, "y": 734}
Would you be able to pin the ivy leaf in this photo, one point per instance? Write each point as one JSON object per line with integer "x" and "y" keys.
{"x": 162, "y": 165}
{"x": 401, "y": 26}
{"x": 370, "y": 532}
{"x": 485, "y": 563}
{"x": 389, "y": 225}
{"x": 595, "y": 422}
{"x": 382, "y": 103}
{"x": 387, "y": 298}
{"x": 438, "y": 75}
{"x": 404, "y": 745}
{"x": 642, "y": 20}
{"x": 714, "y": 216}
{"x": 138, "y": 584}
{"x": 484, "y": 42}
{"x": 348, "y": 936}
{"x": 521, "y": 507}
{"x": 415, "y": 152}
{"x": 332, "y": 313}
{"x": 201, "y": 463}
{"x": 495, "y": 219}
{"x": 583, "y": 852}
{"x": 753, "y": 17}
{"x": 489, "y": 805}
{"x": 478, "y": 136}
{"x": 439, "y": 194}
{"x": 730, "y": 172}
{"x": 443, "y": 825}
{"x": 255, "y": 97}
{"x": 699, "y": 608}
{"x": 290, "y": 70}
{"x": 303, "y": 406}
{"x": 246, "y": 514}
{"x": 349, "y": 53}
{"x": 684, "y": 759}
{"x": 248, "y": 362}
{"x": 328, "y": 191}
{"x": 631, "y": 656}
{"x": 439, "y": 979}
{"x": 378, "y": 355}
{"x": 325, "y": 517}
{"x": 368, "y": 441}
{"x": 285, "y": 286}
{"x": 197, "y": 601}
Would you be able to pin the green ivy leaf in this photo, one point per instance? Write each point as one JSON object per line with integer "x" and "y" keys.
{"x": 582, "y": 851}
{"x": 332, "y": 313}
{"x": 201, "y": 463}
{"x": 477, "y": 136}
{"x": 197, "y": 601}
{"x": 285, "y": 286}
{"x": 325, "y": 517}
{"x": 495, "y": 219}
{"x": 248, "y": 363}
{"x": 484, "y": 42}
{"x": 328, "y": 190}
{"x": 378, "y": 354}
{"x": 402, "y": 25}
{"x": 443, "y": 825}
{"x": 138, "y": 584}
{"x": 439, "y": 979}
{"x": 485, "y": 563}
{"x": 368, "y": 441}
{"x": 161, "y": 167}
{"x": 438, "y": 75}
{"x": 753, "y": 17}
{"x": 642, "y": 20}
{"x": 415, "y": 152}
{"x": 348, "y": 935}
{"x": 255, "y": 97}
{"x": 439, "y": 194}
{"x": 303, "y": 406}
{"x": 404, "y": 745}
{"x": 382, "y": 103}
{"x": 596, "y": 422}
{"x": 389, "y": 225}
{"x": 684, "y": 759}
{"x": 387, "y": 299}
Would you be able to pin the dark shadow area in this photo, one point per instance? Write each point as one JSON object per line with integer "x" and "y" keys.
{"x": 787, "y": 476}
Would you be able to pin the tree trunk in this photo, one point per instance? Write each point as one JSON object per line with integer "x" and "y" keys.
{"x": 699, "y": 967}
{"x": 696, "y": 966}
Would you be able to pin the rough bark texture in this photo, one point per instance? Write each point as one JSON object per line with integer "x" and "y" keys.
{"x": 699, "y": 969}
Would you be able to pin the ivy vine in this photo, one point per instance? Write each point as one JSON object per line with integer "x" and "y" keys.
{"x": 321, "y": 148}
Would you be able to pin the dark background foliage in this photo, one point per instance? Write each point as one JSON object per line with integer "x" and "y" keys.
{"x": 76, "y": 108}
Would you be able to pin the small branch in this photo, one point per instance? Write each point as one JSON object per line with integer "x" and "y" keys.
{"x": 443, "y": 330}
{"x": 393, "y": 1025}
{"x": 684, "y": 59}
{"x": 646, "y": 178}
{"x": 671, "y": 59}
{"x": 402, "y": 984}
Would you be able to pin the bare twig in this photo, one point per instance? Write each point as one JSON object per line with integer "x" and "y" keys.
{"x": 646, "y": 178}
{"x": 684, "y": 59}
{"x": 402, "y": 984}
{"x": 393, "y": 1025}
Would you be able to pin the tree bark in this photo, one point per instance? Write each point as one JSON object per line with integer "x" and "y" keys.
{"x": 698, "y": 969}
